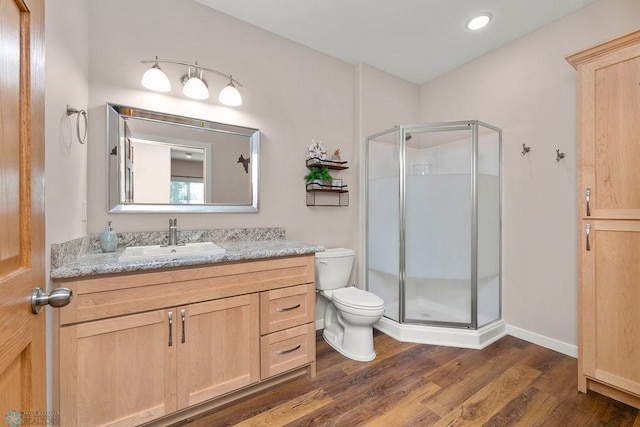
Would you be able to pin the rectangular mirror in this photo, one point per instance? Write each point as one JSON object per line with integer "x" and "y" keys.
{"x": 164, "y": 163}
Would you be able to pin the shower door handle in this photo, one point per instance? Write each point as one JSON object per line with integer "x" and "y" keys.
{"x": 587, "y": 230}
{"x": 588, "y": 196}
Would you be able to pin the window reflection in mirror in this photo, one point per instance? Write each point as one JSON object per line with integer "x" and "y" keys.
{"x": 167, "y": 163}
{"x": 187, "y": 176}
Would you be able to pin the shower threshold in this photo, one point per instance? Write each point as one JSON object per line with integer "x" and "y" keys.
{"x": 437, "y": 335}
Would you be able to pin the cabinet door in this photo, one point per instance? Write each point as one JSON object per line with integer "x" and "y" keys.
{"x": 118, "y": 371}
{"x": 609, "y": 152}
{"x": 218, "y": 348}
{"x": 610, "y": 294}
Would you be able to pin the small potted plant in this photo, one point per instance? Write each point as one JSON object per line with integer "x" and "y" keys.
{"x": 318, "y": 177}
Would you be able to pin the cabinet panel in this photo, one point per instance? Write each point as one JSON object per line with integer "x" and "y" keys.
{"x": 288, "y": 349}
{"x": 611, "y": 292}
{"x": 608, "y": 152}
{"x": 219, "y": 350}
{"x": 102, "y": 382}
{"x": 617, "y": 153}
{"x": 286, "y": 307}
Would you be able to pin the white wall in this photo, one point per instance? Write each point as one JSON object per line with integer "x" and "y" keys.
{"x": 67, "y": 74}
{"x": 66, "y": 82}
{"x": 291, "y": 93}
{"x": 529, "y": 90}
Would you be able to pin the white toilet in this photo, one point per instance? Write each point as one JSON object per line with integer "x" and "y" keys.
{"x": 351, "y": 312}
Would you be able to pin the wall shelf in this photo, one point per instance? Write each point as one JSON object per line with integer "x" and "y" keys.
{"x": 315, "y": 162}
{"x": 323, "y": 194}
{"x": 327, "y": 197}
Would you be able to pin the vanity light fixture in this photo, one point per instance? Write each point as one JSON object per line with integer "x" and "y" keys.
{"x": 479, "y": 21}
{"x": 195, "y": 86}
{"x": 229, "y": 95}
{"x": 155, "y": 79}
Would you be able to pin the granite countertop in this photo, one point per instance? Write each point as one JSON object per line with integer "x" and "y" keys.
{"x": 82, "y": 257}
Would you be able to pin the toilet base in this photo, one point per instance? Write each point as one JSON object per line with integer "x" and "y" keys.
{"x": 335, "y": 341}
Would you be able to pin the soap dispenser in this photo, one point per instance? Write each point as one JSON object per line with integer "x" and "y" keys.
{"x": 108, "y": 239}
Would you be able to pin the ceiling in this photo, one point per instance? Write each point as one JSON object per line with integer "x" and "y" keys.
{"x": 416, "y": 40}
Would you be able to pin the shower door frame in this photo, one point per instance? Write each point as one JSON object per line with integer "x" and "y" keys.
{"x": 403, "y": 130}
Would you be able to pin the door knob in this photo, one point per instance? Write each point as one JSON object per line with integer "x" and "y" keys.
{"x": 57, "y": 298}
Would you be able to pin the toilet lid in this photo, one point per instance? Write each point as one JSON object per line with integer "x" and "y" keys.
{"x": 357, "y": 298}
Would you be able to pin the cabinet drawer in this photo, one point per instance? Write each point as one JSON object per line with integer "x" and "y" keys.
{"x": 286, "y": 307}
{"x": 286, "y": 350}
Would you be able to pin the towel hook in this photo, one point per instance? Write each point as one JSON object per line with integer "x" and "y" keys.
{"x": 83, "y": 113}
{"x": 559, "y": 155}
{"x": 525, "y": 149}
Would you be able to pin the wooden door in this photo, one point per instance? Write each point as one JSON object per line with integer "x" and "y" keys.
{"x": 119, "y": 371}
{"x": 219, "y": 348}
{"x": 22, "y": 334}
{"x": 610, "y": 296}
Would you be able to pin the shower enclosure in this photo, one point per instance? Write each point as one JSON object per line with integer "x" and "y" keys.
{"x": 433, "y": 223}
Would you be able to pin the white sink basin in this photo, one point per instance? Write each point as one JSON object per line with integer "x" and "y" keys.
{"x": 170, "y": 252}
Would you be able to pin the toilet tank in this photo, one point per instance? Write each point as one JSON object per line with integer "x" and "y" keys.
{"x": 333, "y": 268}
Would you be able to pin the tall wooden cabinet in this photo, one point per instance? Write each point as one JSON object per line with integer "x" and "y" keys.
{"x": 609, "y": 218}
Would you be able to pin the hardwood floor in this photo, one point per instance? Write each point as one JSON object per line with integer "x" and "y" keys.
{"x": 510, "y": 383}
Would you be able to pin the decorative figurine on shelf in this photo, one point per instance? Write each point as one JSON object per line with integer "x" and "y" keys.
{"x": 336, "y": 155}
{"x": 315, "y": 149}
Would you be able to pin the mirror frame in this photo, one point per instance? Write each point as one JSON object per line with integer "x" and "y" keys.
{"x": 115, "y": 130}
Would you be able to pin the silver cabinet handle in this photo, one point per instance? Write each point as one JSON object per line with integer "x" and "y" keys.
{"x": 58, "y": 297}
{"x": 279, "y": 352}
{"x": 588, "y": 196}
{"x": 588, "y": 229}
{"x": 170, "y": 329}
{"x": 281, "y": 309}
{"x": 182, "y": 313}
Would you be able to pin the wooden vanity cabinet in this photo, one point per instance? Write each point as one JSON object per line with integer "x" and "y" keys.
{"x": 609, "y": 218}
{"x": 132, "y": 348}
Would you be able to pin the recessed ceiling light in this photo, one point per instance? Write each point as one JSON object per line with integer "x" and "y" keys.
{"x": 479, "y": 21}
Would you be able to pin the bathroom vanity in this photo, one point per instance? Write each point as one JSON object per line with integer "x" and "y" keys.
{"x": 168, "y": 339}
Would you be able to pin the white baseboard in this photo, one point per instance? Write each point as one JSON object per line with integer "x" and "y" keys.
{"x": 532, "y": 337}
{"x": 544, "y": 341}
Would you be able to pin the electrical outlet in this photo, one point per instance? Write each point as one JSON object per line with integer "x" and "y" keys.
{"x": 84, "y": 211}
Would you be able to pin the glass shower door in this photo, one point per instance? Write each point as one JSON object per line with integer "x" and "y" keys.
{"x": 438, "y": 285}
{"x": 489, "y": 207}
{"x": 383, "y": 219}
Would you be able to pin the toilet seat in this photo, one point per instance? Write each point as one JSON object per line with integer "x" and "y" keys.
{"x": 357, "y": 298}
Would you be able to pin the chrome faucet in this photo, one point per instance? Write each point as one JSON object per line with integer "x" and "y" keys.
{"x": 173, "y": 231}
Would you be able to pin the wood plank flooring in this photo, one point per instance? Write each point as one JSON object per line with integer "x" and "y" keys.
{"x": 510, "y": 383}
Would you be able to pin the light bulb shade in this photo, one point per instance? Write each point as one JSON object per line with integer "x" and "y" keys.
{"x": 230, "y": 96}
{"x": 195, "y": 88}
{"x": 155, "y": 79}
